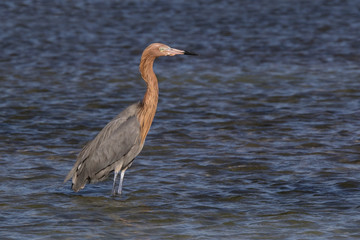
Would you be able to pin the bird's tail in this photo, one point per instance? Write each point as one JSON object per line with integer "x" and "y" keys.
{"x": 79, "y": 178}
{"x": 78, "y": 185}
{"x": 70, "y": 175}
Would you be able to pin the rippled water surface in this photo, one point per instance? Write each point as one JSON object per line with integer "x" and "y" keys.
{"x": 256, "y": 138}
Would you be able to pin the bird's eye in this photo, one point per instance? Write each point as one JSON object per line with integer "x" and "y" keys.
{"x": 162, "y": 49}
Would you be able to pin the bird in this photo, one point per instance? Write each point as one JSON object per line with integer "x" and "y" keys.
{"x": 117, "y": 145}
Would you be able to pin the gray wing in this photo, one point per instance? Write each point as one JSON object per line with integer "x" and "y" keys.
{"x": 118, "y": 143}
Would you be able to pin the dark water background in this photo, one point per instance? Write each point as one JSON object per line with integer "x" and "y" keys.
{"x": 256, "y": 138}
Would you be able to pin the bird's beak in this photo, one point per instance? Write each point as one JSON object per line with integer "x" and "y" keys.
{"x": 174, "y": 51}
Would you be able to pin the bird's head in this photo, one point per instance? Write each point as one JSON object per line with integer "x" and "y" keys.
{"x": 159, "y": 49}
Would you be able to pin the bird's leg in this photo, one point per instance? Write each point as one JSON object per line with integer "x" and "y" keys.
{"x": 113, "y": 189}
{"x": 122, "y": 174}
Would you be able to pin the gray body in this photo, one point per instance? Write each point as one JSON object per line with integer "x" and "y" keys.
{"x": 113, "y": 149}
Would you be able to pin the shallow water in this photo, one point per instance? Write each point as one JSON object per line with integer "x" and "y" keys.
{"x": 256, "y": 138}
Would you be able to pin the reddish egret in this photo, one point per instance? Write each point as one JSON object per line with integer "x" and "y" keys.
{"x": 121, "y": 140}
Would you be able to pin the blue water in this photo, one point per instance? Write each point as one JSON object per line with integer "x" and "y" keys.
{"x": 258, "y": 137}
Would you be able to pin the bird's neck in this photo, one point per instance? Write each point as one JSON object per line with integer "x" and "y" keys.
{"x": 150, "y": 100}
